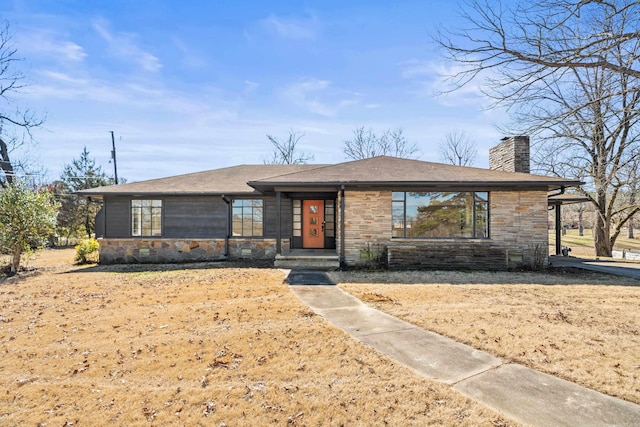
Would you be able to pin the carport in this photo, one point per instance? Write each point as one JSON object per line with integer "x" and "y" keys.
{"x": 556, "y": 201}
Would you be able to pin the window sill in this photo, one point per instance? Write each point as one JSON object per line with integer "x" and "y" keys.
{"x": 440, "y": 240}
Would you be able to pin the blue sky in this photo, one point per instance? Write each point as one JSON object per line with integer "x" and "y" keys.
{"x": 196, "y": 85}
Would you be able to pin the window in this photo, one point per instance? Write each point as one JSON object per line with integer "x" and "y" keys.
{"x": 247, "y": 218}
{"x": 297, "y": 218}
{"x": 329, "y": 218}
{"x": 146, "y": 218}
{"x": 440, "y": 215}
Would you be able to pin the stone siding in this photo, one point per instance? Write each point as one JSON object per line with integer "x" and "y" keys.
{"x": 117, "y": 251}
{"x": 448, "y": 255}
{"x": 518, "y": 235}
{"x": 519, "y": 224}
{"x": 511, "y": 155}
{"x": 367, "y": 225}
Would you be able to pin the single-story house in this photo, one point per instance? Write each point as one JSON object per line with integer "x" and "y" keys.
{"x": 397, "y": 212}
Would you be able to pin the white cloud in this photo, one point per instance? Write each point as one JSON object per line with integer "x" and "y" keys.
{"x": 58, "y": 85}
{"x": 250, "y": 87}
{"x": 433, "y": 79}
{"x": 318, "y": 96}
{"x": 125, "y": 46}
{"x": 191, "y": 58}
{"x": 46, "y": 43}
{"x": 416, "y": 69}
{"x": 292, "y": 28}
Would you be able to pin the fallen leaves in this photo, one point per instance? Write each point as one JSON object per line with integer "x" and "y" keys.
{"x": 132, "y": 345}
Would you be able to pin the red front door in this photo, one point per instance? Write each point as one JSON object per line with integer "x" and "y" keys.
{"x": 313, "y": 224}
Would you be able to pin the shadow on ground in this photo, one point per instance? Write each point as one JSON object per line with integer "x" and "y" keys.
{"x": 304, "y": 277}
{"x": 150, "y": 267}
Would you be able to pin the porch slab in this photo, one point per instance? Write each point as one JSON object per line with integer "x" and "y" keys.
{"x": 308, "y": 259}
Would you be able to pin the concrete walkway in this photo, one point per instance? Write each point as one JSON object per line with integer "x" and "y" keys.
{"x": 518, "y": 392}
{"x": 620, "y": 268}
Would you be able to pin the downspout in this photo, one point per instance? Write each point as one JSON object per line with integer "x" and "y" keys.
{"x": 341, "y": 224}
{"x": 279, "y": 223}
{"x": 227, "y": 225}
{"x": 558, "y": 230}
{"x": 561, "y": 191}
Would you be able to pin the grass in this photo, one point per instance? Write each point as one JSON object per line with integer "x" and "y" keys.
{"x": 581, "y": 326}
{"x": 203, "y": 344}
{"x": 582, "y": 246}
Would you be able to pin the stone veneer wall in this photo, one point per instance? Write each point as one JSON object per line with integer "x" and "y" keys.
{"x": 115, "y": 251}
{"x": 519, "y": 224}
{"x": 511, "y": 155}
{"x": 367, "y": 225}
{"x": 518, "y": 231}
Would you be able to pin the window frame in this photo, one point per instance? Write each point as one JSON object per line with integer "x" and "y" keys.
{"x": 475, "y": 215}
{"x": 242, "y": 209}
{"x": 143, "y": 212}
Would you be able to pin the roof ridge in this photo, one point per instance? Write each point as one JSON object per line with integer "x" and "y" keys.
{"x": 311, "y": 168}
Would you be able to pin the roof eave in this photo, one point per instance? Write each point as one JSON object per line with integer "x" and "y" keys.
{"x": 164, "y": 193}
{"x": 550, "y": 185}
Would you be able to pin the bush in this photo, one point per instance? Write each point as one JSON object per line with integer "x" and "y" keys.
{"x": 87, "y": 250}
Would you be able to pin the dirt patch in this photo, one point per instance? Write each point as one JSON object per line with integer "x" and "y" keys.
{"x": 581, "y": 326}
{"x": 194, "y": 345}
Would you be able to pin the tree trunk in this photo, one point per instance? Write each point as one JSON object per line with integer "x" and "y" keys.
{"x": 632, "y": 201}
{"x": 601, "y": 237}
{"x": 580, "y": 223}
{"x": 15, "y": 262}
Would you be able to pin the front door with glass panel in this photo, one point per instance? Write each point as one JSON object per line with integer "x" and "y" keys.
{"x": 313, "y": 224}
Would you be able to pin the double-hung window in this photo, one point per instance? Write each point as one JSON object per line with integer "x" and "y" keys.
{"x": 430, "y": 215}
{"x": 248, "y": 218}
{"x": 146, "y": 218}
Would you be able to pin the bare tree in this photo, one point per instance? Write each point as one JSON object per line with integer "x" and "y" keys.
{"x": 457, "y": 149}
{"x": 539, "y": 39}
{"x": 15, "y": 124}
{"x": 286, "y": 152}
{"x": 565, "y": 71}
{"x": 366, "y": 144}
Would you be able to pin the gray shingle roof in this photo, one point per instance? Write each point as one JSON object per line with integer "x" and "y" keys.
{"x": 384, "y": 170}
{"x": 376, "y": 171}
{"x": 231, "y": 180}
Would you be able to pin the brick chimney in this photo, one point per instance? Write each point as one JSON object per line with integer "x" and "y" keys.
{"x": 511, "y": 155}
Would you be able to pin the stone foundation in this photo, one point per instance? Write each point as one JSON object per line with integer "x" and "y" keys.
{"x": 124, "y": 251}
{"x": 466, "y": 255}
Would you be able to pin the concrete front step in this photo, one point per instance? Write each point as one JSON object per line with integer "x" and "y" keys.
{"x": 308, "y": 262}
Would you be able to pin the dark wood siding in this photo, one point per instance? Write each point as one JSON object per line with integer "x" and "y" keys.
{"x": 194, "y": 217}
{"x": 117, "y": 217}
{"x": 182, "y": 217}
{"x": 271, "y": 217}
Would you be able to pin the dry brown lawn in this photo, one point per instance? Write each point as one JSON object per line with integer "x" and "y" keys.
{"x": 581, "y": 326}
{"x": 202, "y": 344}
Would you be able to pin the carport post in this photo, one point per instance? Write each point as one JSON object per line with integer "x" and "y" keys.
{"x": 558, "y": 229}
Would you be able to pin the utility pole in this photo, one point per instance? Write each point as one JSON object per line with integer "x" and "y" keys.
{"x": 113, "y": 156}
